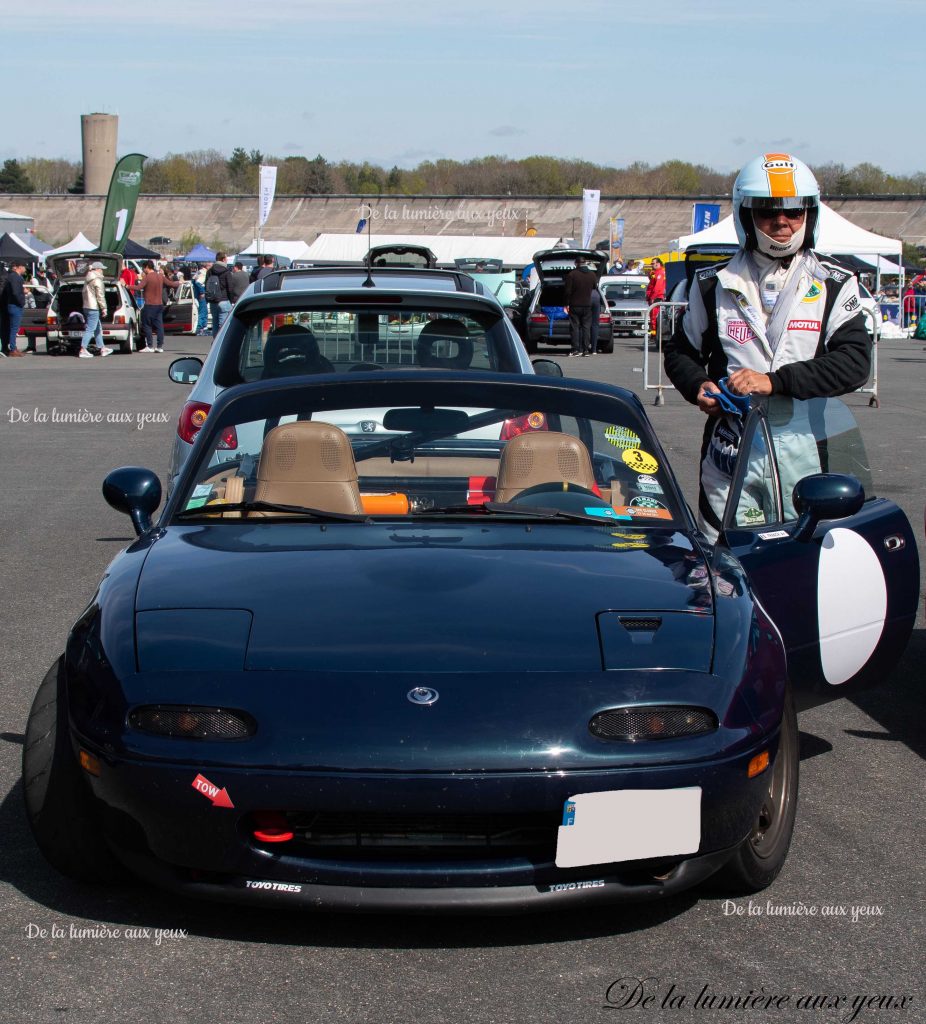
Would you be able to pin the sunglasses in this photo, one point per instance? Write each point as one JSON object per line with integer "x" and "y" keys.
{"x": 767, "y": 214}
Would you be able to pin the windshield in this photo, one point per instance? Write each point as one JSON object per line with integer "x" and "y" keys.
{"x": 305, "y": 341}
{"x": 308, "y": 455}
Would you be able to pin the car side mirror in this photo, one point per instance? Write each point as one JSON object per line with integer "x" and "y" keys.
{"x": 135, "y": 491}
{"x": 825, "y": 496}
{"x": 546, "y": 368}
{"x": 185, "y": 371}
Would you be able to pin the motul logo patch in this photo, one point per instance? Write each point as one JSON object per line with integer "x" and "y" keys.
{"x": 739, "y": 331}
{"x": 803, "y": 325}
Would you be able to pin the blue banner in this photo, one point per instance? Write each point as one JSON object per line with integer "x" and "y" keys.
{"x": 361, "y": 224}
{"x": 703, "y": 216}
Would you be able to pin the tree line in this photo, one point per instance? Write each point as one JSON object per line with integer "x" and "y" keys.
{"x": 210, "y": 172}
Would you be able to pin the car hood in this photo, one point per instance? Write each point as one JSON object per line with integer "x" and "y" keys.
{"x": 423, "y": 597}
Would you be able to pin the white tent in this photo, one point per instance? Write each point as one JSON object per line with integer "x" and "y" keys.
{"x": 79, "y": 243}
{"x": 513, "y": 252}
{"x": 291, "y": 250}
{"x": 836, "y": 236}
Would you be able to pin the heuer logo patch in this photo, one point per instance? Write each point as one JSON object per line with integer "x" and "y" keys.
{"x": 803, "y": 325}
{"x": 739, "y": 331}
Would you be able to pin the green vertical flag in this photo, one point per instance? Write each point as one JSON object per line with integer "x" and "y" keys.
{"x": 121, "y": 202}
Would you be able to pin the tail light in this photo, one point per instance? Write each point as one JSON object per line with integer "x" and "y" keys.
{"x": 480, "y": 489}
{"x": 539, "y": 318}
{"x": 604, "y": 318}
{"x": 523, "y": 425}
{"x": 193, "y": 416}
{"x": 52, "y": 319}
{"x": 119, "y": 319}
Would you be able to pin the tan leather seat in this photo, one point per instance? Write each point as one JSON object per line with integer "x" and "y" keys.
{"x": 542, "y": 457}
{"x": 310, "y": 464}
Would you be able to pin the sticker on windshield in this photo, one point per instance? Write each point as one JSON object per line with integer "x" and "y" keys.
{"x": 640, "y": 461}
{"x": 646, "y": 502}
{"x": 648, "y": 483}
{"x": 754, "y": 516}
{"x": 622, "y": 437}
{"x": 604, "y": 513}
{"x": 641, "y": 512}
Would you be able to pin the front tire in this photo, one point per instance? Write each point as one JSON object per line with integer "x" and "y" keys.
{"x": 762, "y": 854}
{"x": 60, "y": 809}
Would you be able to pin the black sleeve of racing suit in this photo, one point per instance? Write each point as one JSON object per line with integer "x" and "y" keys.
{"x": 838, "y": 368}
{"x": 687, "y": 367}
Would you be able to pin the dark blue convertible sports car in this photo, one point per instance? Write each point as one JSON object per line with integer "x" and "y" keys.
{"x": 478, "y": 657}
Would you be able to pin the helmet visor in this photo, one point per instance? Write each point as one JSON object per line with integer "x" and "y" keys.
{"x": 779, "y": 202}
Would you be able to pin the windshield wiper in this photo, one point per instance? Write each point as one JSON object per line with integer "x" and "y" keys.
{"x": 505, "y": 508}
{"x": 272, "y": 506}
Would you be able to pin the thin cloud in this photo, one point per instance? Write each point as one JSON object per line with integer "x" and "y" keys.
{"x": 507, "y": 131}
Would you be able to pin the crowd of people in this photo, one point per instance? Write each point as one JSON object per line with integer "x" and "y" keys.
{"x": 216, "y": 287}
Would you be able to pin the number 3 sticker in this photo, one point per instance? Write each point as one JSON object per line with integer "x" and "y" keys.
{"x": 640, "y": 461}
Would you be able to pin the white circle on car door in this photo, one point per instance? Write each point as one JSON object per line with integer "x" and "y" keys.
{"x": 851, "y": 604}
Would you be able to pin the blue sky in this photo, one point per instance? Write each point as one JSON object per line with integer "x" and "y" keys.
{"x": 400, "y": 81}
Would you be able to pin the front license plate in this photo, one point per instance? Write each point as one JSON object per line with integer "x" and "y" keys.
{"x": 629, "y": 824}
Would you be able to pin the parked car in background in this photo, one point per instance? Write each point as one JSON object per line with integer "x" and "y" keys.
{"x": 541, "y": 319}
{"x": 65, "y": 315}
{"x": 394, "y": 255}
{"x": 625, "y": 295}
{"x": 332, "y": 320}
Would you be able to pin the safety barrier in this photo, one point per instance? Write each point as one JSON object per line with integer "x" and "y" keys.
{"x": 667, "y": 318}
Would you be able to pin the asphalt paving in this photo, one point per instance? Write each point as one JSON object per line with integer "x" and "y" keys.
{"x": 837, "y": 938}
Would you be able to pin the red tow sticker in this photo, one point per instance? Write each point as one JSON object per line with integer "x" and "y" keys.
{"x": 219, "y": 797}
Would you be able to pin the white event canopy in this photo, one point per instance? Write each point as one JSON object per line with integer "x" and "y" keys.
{"x": 836, "y": 236}
{"x": 291, "y": 250}
{"x": 79, "y": 243}
{"x": 351, "y": 248}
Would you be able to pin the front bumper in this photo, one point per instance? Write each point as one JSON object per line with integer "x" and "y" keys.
{"x": 168, "y": 832}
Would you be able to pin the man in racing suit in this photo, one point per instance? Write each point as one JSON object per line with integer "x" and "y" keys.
{"x": 777, "y": 319}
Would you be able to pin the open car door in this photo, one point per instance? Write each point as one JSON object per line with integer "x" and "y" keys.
{"x": 834, "y": 566}
{"x": 180, "y": 309}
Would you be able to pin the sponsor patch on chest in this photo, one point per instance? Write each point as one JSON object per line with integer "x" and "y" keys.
{"x": 804, "y": 325}
{"x": 739, "y": 331}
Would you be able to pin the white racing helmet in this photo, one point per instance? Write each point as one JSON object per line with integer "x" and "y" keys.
{"x": 775, "y": 181}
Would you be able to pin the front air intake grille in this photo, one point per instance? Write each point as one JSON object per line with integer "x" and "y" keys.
{"x": 641, "y": 625}
{"x": 655, "y": 723}
{"x": 384, "y": 836}
{"x": 192, "y": 723}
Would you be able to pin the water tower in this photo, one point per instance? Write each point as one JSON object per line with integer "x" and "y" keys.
{"x": 98, "y": 134}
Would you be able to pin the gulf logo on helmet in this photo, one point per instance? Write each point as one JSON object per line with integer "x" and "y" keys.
{"x": 779, "y": 169}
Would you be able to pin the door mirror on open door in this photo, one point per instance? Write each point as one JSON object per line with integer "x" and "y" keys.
{"x": 825, "y": 496}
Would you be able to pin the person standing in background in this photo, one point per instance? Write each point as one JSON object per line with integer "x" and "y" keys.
{"x": 199, "y": 293}
{"x": 217, "y": 292}
{"x": 13, "y": 300}
{"x": 238, "y": 281}
{"x": 655, "y": 291}
{"x": 153, "y": 283}
{"x": 577, "y": 294}
{"x": 93, "y": 298}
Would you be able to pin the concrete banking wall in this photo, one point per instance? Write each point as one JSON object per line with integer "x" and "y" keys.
{"x": 649, "y": 222}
